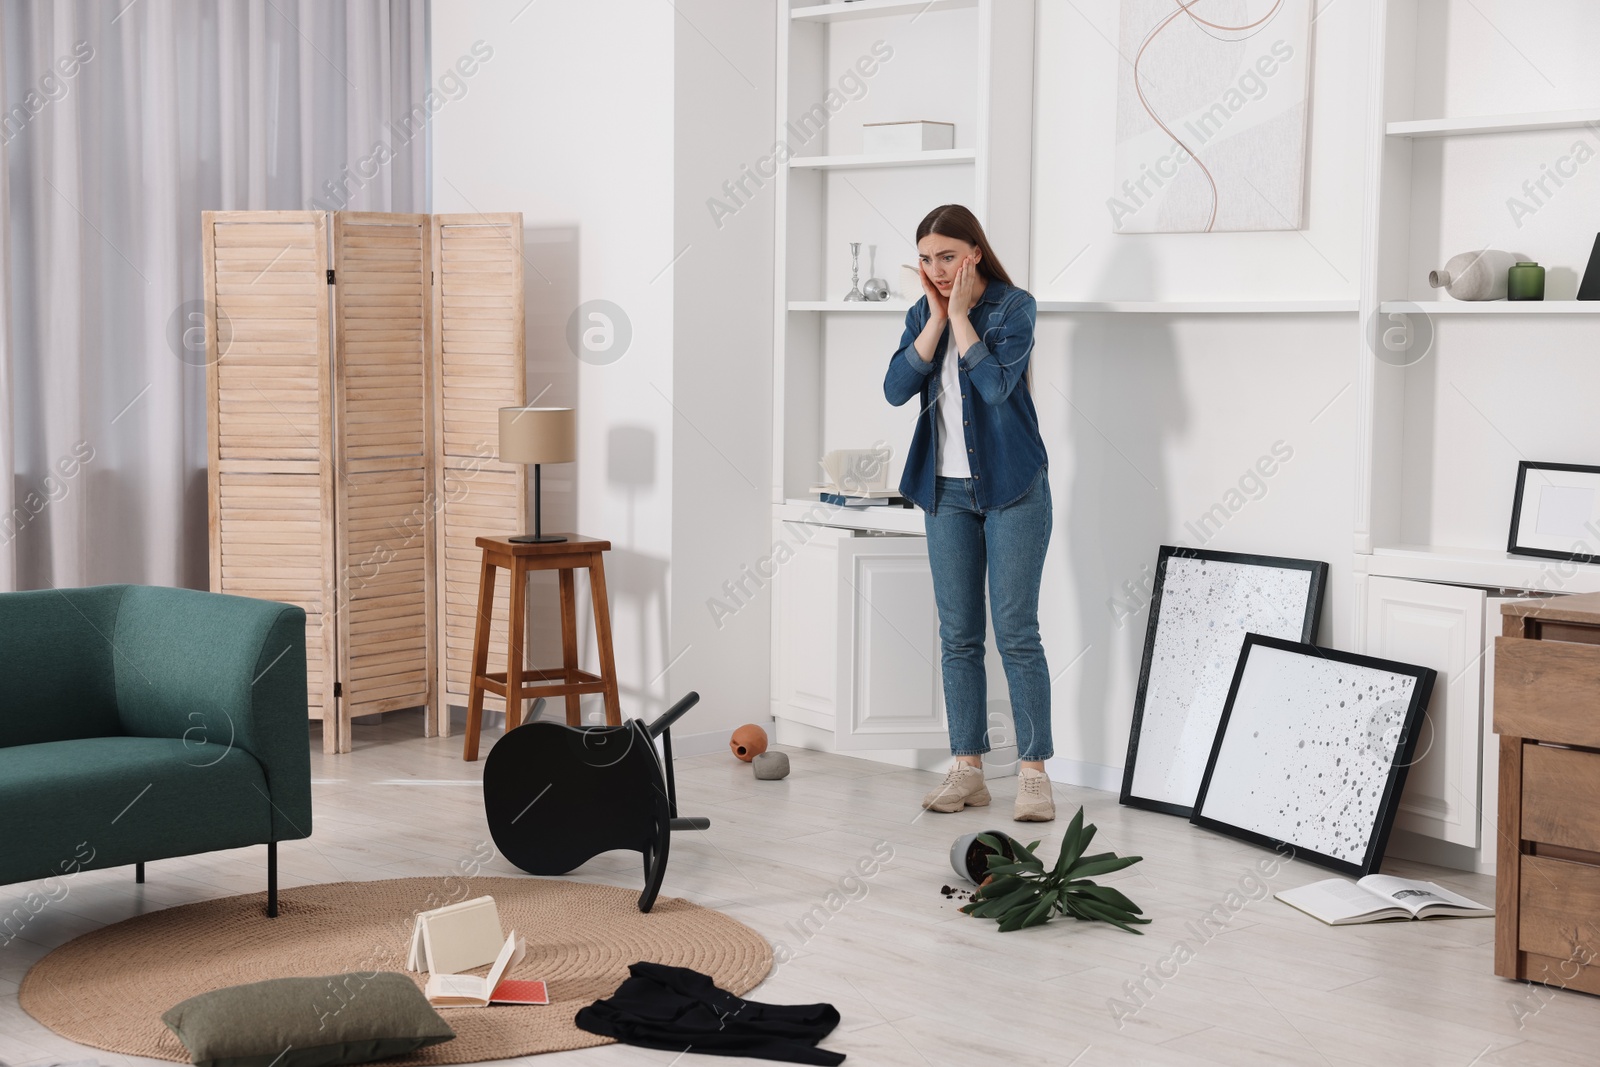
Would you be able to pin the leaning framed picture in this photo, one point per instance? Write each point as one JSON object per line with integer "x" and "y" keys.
{"x": 1556, "y": 512}
{"x": 1312, "y": 751}
{"x": 1201, "y": 608}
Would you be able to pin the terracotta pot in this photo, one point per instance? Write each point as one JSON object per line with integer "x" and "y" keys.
{"x": 748, "y": 742}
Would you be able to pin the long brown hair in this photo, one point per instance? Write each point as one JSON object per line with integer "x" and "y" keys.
{"x": 956, "y": 221}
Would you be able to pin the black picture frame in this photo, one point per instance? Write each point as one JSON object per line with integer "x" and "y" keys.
{"x": 1404, "y": 751}
{"x": 1317, "y": 587}
{"x": 1512, "y": 545}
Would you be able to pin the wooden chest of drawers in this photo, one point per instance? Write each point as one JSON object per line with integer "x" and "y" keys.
{"x": 1547, "y": 713}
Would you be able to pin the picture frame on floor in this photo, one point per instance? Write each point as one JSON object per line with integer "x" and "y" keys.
{"x": 1555, "y": 512}
{"x": 1203, "y": 604}
{"x": 1312, "y": 752}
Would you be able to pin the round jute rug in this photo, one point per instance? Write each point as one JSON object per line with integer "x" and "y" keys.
{"x": 109, "y": 988}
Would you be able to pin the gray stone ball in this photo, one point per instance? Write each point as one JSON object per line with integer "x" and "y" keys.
{"x": 771, "y": 766}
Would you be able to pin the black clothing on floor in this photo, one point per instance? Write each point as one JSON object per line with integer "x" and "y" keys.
{"x": 675, "y": 1008}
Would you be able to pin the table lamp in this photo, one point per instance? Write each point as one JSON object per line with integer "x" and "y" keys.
{"x": 538, "y": 436}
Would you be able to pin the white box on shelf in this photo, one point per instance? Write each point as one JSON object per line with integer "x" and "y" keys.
{"x": 883, "y": 138}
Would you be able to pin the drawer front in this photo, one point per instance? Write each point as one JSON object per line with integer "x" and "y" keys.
{"x": 1561, "y": 797}
{"x": 1559, "y": 914}
{"x": 1548, "y": 690}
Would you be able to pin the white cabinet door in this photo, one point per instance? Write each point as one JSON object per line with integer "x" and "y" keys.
{"x": 1438, "y": 626}
{"x": 805, "y": 624}
{"x": 889, "y": 693}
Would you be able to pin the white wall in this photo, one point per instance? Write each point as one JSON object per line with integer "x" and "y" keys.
{"x": 1151, "y": 420}
{"x": 608, "y": 124}
{"x": 563, "y": 125}
{"x": 722, "y": 363}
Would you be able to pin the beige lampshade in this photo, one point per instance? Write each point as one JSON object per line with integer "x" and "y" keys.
{"x": 538, "y": 435}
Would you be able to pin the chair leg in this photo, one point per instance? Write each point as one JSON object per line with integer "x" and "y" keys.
{"x": 138, "y": 873}
{"x": 655, "y": 866}
{"x": 272, "y": 879}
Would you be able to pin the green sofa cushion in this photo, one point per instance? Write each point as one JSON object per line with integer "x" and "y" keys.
{"x": 122, "y": 800}
{"x": 56, "y": 664}
{"x": 308, "y": 1022}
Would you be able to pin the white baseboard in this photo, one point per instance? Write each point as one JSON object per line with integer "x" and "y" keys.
{"x": 1088, "y": 775}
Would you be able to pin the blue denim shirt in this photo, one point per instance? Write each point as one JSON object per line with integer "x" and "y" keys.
{"x": 1003, "y": 444}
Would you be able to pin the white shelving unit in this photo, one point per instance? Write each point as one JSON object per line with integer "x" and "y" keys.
{"x": 1476, "y": 124}
{"x": 931, "y": 158}
{"x": 1492, "y": 307}
{"x": 866, "y": 9}
{"x": 855, "y": 642}
{"x": 1427, "y": 452}
{"x": 1198, "y": 307}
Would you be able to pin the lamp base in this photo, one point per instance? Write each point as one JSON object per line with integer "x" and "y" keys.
{"x": 537, "y": 539}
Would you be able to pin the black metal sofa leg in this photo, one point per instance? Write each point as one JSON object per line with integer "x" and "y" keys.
{"x": 272, "y": 879}
{"x": 138, "y": 873}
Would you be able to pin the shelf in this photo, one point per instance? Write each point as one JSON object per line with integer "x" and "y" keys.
{"x": 1493, "y": 307}
{"x": 1202, "y": 307}
{"x": 1485, "y": 567}
{"x": 1533, "y": 120}
{"x": 898, "y": 307}
{"x": 885, "y": 519}
{"x": 866, "y": 9}
{"x": 929, "y": 158}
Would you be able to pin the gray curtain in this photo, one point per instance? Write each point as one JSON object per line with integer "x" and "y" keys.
{"x": 122, "y": 122}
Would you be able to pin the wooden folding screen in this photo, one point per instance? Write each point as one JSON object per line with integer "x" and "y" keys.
{"x": 352, "y": 430}
{"x": 382, "y": 331}
{"x": 478, "y": 357}
{"x": 270, "y": 393}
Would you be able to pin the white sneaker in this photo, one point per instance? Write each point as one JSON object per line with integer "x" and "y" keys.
{"x": 962, "y": 786}
{"x": 1035, "y": 801}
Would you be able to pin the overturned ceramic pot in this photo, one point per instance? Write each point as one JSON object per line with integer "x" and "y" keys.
{"x": 970, "y": 857}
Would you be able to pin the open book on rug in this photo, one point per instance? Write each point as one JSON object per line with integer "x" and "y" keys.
{"x": 471, "y": 991}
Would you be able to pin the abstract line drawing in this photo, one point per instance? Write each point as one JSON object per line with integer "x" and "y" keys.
{"x": 1211, "y": 116}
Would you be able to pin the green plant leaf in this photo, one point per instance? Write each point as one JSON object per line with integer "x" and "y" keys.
{"x": 1076, "y": 840}
{"x": 1105, "y": 895}
{"x": 998, "y": 888}
{"x": 990, "y": 908}
{"x": 1102, "y": 865}
{"x": 1006, "y": 867}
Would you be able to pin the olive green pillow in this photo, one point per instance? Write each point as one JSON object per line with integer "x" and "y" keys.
{"x": 308, "y": 1022}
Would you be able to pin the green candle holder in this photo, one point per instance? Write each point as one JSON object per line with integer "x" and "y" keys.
{"x": 1525, "y": 281}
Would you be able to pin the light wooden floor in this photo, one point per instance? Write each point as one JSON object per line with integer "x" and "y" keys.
{"x": 915, "y": 981}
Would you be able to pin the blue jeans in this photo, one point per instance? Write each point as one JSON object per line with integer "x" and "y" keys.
{"x": 1008, "y": 545}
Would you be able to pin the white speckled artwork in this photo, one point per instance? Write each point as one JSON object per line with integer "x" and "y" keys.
{"x": 1308, "y": 747}
{"x": 1204, "y": 609}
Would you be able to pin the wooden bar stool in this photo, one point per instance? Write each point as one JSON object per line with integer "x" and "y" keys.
{"x": 566, "y": 680}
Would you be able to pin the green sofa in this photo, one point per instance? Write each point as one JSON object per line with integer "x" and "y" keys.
{"x": 139, "y": 723}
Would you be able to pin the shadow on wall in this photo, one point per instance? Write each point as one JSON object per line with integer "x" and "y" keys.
{"x": 637, "y": 582}
{"x": 1119, "y": 424}
{"x": 549, "y": 293}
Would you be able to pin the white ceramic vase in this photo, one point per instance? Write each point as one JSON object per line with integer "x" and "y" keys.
{"x": 1475, "y": 275}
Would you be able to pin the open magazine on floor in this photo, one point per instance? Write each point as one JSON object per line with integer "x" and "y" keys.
{"x": 1379, "y": 898}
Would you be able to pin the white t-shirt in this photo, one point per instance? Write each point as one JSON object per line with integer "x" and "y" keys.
{"x": 952, "y": 435}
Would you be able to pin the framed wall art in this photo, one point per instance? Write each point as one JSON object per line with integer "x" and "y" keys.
{"x": 1202, "y": 606}
{"x": 1312, "y": 752}
{"x": 1556, "y": 512}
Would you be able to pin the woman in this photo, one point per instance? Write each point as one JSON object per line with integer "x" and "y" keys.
{"x": 977, "y": 470}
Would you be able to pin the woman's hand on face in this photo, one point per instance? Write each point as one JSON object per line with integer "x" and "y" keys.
{"x": 938, "y": 306}
{"x": 968, "y": 288}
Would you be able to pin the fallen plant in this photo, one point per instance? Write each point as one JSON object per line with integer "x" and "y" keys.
{"x": 1024, "y": 893}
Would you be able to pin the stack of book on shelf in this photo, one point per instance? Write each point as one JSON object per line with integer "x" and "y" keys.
{"x": 460, "y": 937}
{"x": 858, "y": 478}
{"x": 859, "y": 498}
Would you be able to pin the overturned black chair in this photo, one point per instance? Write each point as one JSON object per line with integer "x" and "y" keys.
{"x": 557, "y": 796}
